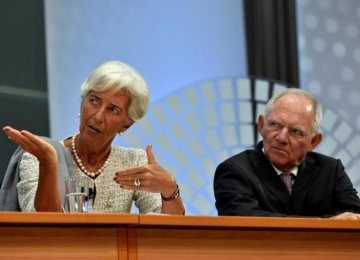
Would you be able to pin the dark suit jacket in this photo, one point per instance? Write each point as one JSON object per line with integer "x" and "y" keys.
{"x": 247, "y": 184}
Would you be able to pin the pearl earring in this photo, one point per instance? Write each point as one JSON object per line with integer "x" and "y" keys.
{"x": 79, "y": 115}
{"x": 120, "y": 133}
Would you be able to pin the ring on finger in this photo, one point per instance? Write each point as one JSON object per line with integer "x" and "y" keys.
{"x": 137, "y": 182}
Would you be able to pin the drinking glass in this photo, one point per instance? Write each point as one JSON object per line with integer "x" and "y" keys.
{"x": 75, "y": 194}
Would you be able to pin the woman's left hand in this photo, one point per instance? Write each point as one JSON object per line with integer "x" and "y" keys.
{"x": 152, "y": 177}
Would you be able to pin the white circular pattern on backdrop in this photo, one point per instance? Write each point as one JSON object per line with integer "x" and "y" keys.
{"x": 339, "y": 49}
{"x": 311, "y": 21}
{"x": 331, "y": 25}
{"x": 333, "y": 29}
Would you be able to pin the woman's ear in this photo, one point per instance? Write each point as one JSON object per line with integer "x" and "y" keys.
{"x": 127, "y": 126}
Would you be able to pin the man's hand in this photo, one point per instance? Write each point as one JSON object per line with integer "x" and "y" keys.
{"x": 347, "y": 215}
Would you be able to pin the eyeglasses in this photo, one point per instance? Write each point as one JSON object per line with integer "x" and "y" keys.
{"x": 294, "y": 132}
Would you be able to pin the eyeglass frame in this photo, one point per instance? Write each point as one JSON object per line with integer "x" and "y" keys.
{"x": 293, "y": 131}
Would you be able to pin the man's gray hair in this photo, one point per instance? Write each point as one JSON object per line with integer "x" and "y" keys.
{"x": 318, "y": 115}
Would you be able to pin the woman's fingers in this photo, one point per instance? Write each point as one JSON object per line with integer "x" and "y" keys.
{"x": 150, "y": 154}
{"x": 32, "y": 144}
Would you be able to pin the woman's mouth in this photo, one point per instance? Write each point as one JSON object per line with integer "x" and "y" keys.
{"x": 93, "y": 130}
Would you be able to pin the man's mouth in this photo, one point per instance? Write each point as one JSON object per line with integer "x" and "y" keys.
{"x": 277, "y": 149}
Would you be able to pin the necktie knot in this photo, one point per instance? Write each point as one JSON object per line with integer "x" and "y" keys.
{"x": 288, "y": 180}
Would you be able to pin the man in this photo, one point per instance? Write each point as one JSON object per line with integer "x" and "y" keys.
{"x": 251, "y": 183}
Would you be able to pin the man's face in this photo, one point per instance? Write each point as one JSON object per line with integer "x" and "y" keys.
{"x": 287, "y": 131}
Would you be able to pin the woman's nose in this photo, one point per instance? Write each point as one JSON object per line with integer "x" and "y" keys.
{"x": 99, "y": 114}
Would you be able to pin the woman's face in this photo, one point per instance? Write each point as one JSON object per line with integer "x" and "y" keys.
{"x": 104, "y": 114}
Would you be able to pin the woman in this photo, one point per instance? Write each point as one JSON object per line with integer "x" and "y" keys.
{"x": 113, "y": 97}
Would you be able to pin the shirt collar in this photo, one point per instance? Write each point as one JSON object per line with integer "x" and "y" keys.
{"x": 293, "y": 170}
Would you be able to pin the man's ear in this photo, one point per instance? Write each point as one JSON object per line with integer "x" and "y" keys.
{"x": 315, "y": 141}
{"x": 261, "y": 122}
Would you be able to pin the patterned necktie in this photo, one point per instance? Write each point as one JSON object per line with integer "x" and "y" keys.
{"x": 287, "y": 178}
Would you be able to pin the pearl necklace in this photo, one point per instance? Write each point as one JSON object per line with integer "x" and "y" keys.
{"x": 80, "y": 164}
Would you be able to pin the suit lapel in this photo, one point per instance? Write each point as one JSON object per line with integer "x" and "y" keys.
{"x": 268, "y": 176}
{"x": 308, "y": 171}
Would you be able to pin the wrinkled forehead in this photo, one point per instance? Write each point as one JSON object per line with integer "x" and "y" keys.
{"x": 295, "y": 102}
{"x": 293, "y": 109}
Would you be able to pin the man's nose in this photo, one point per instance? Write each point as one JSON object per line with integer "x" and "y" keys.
{"x": 283, "y": 133}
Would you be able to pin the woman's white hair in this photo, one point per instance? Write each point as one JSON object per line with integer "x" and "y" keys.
{"x": 116, "y": 75}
